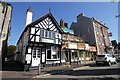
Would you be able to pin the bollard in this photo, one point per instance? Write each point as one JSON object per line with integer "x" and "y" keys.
{"x": 39, "y": 69}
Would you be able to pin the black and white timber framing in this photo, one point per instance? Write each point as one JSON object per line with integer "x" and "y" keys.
{"x": 40, "y": 42}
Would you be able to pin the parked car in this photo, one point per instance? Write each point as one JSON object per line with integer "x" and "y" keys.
{"x": 106, "y": 59}
{"x": 117, "y": 56}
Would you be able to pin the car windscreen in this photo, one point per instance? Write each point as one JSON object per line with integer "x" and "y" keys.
{"x": 101, "y": 56}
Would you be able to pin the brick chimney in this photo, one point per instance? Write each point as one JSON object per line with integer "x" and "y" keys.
{"x": 62, "y": 23}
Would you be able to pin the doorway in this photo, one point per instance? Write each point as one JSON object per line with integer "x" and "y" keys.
{"x": 36, "y": 55}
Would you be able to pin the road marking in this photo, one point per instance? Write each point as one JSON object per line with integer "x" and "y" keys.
{"x": 43, "y": 75}
{"x": 79, "y": 68}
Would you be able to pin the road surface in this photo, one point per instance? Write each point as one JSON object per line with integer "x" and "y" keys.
{"x": 93, "y": 71}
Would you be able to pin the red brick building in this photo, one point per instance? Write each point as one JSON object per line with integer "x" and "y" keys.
{"x": 94, "y": 32}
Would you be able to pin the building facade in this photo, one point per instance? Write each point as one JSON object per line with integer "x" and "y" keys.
{"x": 40, "y": 42}
{"x": 93, "y": 32}
{"x": 74, "y": 49}
{"x": 5, "y": 26}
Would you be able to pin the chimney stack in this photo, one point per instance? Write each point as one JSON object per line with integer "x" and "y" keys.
{"x": 62, "y": 23}
{"x": 28, "y": 16}
{"x": 82, "y": 14}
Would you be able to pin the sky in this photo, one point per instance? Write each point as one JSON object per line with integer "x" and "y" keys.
{"x": 103, "y": 11}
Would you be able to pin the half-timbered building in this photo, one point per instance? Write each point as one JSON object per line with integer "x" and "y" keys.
{"x": 40, "y": 42}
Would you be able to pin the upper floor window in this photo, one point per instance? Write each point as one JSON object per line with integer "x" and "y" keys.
{"x": 47, "y": 34}
{"x": 50, "y": 34}
{"x": 53, "y": 35}
{"x": 98, "y": 39}
{"x": 42, "y": 33}
{"x": 97, "y": 30}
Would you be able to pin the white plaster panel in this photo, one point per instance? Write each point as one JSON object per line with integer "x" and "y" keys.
{"x": 50, "y": 26}
{"x": 38, "y": 33}
{"x": 47, "y": 40}
{"x": 45, "y": 24}
{"x": 32, "y": 30}
{"x": 29, "y": 50}
{"x": 43, "y": 57}
{"x": 28, "y": 57}
{"x": 32, "y": 39}
{"x": 37, "y": 38}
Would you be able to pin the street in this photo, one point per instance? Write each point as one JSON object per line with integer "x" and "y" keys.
{"x": 92, "y": 71}
{"x": 86, "y": 71}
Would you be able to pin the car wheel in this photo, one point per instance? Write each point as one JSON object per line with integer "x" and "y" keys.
{"x": 109, "y": 63}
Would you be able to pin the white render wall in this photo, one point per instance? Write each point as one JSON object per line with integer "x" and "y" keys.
{"x": 28, "y": 18}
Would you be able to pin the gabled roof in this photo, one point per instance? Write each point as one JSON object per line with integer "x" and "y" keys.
{"x": 40, "y": 19}
{"x": 99, "y": 22}
{"x": 45, "y": 16}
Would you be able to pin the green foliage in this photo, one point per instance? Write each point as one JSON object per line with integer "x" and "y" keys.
{"x": 11, "y": 50}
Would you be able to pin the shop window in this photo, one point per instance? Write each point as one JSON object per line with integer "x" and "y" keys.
{"x": 55, "y": 52}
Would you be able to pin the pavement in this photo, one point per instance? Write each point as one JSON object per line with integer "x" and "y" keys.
{"x": 13, "y": 73}
{"x": 93, "y": 72}
{"x": 64, "y": 68}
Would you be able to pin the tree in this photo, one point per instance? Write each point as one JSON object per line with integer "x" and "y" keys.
{"x": 11, "y": 50}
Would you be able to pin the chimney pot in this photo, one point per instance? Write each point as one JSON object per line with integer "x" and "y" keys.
{"x": 82, "y": 14}
{"x": 29, "y": 9}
